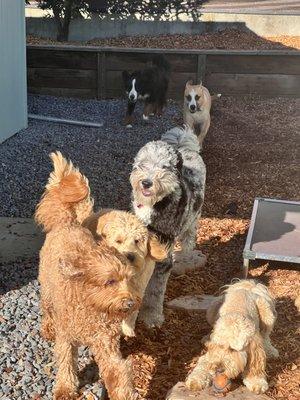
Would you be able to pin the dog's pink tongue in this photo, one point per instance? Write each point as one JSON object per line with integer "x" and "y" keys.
{"x": 146, "y": 193}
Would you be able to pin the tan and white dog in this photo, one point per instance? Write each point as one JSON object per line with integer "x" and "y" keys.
{"x": 196, "y": 109}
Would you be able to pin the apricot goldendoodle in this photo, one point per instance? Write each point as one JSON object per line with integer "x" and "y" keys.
{"x": 126, "y": 233}
{"x": 243, "y": 319}
{"x": 86, "y": 287}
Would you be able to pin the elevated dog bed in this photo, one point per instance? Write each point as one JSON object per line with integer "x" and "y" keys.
{"x": 274, "y": 232}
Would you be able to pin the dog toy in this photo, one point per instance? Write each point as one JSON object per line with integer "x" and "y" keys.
{"x": 221, "y": 384}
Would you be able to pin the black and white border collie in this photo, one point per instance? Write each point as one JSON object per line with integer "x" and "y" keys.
{"x": 149, "y": 85}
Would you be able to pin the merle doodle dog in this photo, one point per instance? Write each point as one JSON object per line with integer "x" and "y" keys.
{"x": 168, "y": 182}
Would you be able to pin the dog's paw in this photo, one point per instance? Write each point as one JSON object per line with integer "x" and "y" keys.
{"x": 127, "y": 330}
{"x": 256, "y": 384}
{"x": 197, "y": 382}
{"x": 146, "y": 120}
{"x": 129, "y": 126}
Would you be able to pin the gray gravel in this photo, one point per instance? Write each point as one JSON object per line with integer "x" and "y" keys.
{"x": 27, "y": 369}
{"x": 104, "y": 154}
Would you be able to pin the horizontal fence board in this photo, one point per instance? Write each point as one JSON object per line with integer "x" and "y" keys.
{"x": 180, "y": 63}
{"x": 254, "y": 84}
{"x": 115, "y": 86}
{"x": 63, "y": 78}
{"x": 126, "y": 61}
{"x": 65, "y": 92}
{"x": 67, "y": 48}
{"x": 136, "y": 61}
{"x": 61, "y": 59}
{"x": 91, "y": 72}
{"x": 178, "y": 82}
{"x": 253, "y": 64}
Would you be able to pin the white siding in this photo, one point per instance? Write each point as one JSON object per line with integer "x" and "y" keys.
{"x": 13, "y": 97}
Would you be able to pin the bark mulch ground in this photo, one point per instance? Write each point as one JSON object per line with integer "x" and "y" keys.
{"x": 230, "y": 39}
{"x": 252, "y": 149}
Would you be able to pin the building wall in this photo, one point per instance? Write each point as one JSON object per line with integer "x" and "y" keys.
{"x": 95, "y": 28}
{"x": 13, "y": 96}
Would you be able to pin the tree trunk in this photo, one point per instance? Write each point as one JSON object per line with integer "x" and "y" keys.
{"x": 63, "y": 33}
{"x": 56, "y": 14}
{"x": 63, "y": 21}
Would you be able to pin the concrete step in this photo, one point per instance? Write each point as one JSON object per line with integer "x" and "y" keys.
{"x": 20, "y": 238}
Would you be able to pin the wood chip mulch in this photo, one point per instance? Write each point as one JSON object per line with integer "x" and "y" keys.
{"x": 230, "y": 39}
{"x": 252, "y": 149}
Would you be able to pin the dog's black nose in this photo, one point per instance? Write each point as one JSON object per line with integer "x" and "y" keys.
{"x": 131, "y": 97}
{"x": 147, "y": 183}
{"x": 130, "y": 257}
{"x": 192, "y": 107}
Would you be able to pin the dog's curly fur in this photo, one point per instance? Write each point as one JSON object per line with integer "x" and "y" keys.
{"x": 86, "y": 287}
{"x": 126, "y": 233}
{"x": 171, "y": 207}
{"x": 240, "y": 341}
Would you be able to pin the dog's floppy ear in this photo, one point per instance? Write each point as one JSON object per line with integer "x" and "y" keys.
{"x": 157, "y": 250}
{"x": 257, "y": 355}
{"x": 125, "y": 75}
{"x": 243, "y": 330}
{"x": 103, "y": 219}
{"x": 233, "y": 330}
{"x": 238, "y": 330}
{"x": 68, "y": 269}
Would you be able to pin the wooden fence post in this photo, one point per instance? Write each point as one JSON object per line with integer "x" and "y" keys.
{"x": 101, "y": 74}
{"x": 201, "y": 67}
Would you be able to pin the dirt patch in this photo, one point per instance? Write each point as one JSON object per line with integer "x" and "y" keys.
{"x": 230, "y": 39}
{"x": 251, "y": 150}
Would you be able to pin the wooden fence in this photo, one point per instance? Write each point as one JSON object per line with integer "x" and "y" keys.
{"x": 91, "y": 72}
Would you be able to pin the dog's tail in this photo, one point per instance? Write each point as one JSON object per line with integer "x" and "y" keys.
{"x": 182, "y": 138}
{"x": 161, "y": 62}
{"x": 215, "y": 96}
{"x": 67, "y": 196}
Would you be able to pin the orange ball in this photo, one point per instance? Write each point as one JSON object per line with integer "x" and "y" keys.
{"x": 221, "y": 383}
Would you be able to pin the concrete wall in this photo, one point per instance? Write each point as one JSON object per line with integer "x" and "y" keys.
{"x": 13, "y": 91}
{"x": 87, "y": 29}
